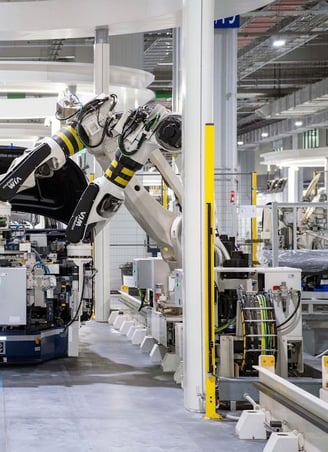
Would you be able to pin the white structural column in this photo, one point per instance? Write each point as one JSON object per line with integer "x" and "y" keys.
{"x": 102, "y": 242}
{"x": 197, "y": 94}
{"x": 225, "y": 95}
{"x": 292, "y": 174}
{"x": 292, "y": 185}
{"x": 176, "y": 73}
{"x": 225, "y": 119}
{"x": 326, "y": 176}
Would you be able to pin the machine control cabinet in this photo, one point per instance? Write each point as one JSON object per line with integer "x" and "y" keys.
{"x": 12, "y": 296}
{"x": 178, "y": 287}
{"x": 147, "y": 272}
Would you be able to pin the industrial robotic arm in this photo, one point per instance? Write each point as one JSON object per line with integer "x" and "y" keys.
{"x": 41, "y": 161}
{"x": 139, "y": 132}
{"x": 53, "y": 152}
{"x": 125, "y": 140}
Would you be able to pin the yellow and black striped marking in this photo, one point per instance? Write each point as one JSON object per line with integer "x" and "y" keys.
{"x": 121, "y": 170}
{"x": 68, "y": 140}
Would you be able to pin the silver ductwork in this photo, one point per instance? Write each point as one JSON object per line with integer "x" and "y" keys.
{"x": 306, "y": 101}
{"x": 282, "y": 129}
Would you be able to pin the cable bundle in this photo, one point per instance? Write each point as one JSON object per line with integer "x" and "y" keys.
{"x": 93, "y": 107}
{"x": 258, "y": 327}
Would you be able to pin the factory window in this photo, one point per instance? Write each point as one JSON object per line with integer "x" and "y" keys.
{"x": 311, "y": 139}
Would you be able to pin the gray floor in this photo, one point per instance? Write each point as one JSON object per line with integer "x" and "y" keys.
{"x": 111, "y": 398}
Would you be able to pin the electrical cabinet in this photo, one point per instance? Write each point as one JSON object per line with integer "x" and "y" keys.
{"x": 147, "y": 272}
{"x": 12, "y": 296}
{"x": 178, "y": 287}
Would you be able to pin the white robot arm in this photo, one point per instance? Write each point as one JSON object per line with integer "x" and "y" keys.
{"x": 53, "y": 152}
{"x": 125, "y": 140}
{"x": 39, "y": 162}
{"x": 139, "y": 132}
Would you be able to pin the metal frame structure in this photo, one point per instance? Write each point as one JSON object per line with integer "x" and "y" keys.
{"x": 297, "y": 409}
{"x": 275, "y": 206}
{"x": 290, "y": 417}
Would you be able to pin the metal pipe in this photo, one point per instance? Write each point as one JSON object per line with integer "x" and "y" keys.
{"x": 251, "y": 401}
{"x": 293, "y": 393}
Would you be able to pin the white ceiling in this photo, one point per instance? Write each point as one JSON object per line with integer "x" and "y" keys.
{"x": 42, "y": 52}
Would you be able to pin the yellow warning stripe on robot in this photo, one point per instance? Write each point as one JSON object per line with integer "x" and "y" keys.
{"x": 127, "y": 172}
{"x": 119, "y": 174}
{"x": 67, "y": 138}
{"x": 71, "y": 130}
{"x": 67, "y": 142}
{"x": 120, "y": 181}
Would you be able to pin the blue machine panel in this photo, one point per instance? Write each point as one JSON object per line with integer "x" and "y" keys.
{"x": 24, "y": 347}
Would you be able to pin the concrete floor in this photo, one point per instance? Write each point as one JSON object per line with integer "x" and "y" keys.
{"x": 111, "y": 398}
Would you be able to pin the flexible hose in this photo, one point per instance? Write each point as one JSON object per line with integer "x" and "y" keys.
{"x": 251, "y": 401}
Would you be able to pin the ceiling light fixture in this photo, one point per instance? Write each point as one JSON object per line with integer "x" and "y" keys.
{"x": 264, "y": 134}
{"x": 298, "y": 123}
{"x": 279, "y": 43}
{"x": 240, "y": 143}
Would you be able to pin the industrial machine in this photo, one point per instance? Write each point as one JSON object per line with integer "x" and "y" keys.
{"x": 258, "y": 312}
{"x": 151, "y": 277}
{"x": 44, "y": 290}
{"x": 122, "y": 144}
{"x": 46, "y": 283}
{"x": 296, "y": 235}
{"x": 296, "y": 226}
{"x": 156, "y": 285}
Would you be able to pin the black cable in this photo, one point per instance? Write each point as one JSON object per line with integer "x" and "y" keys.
{"x": 137, "y": 117}
{"x": 81, "y": 133}
{"x": 76, "y": 315}
{"x": 142, "y": 293}
{"x": 242, "y": 315}
{"x": 254, "y": 340}
{"x": 132, "y": 122}
{"x": 273, "y": 319}
{"x": 92, "y": 106}
{"x": 293, "y": 314}
{"x": 114, "y": 101}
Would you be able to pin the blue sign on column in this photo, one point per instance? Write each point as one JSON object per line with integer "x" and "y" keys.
{"x": 228, "y": 22}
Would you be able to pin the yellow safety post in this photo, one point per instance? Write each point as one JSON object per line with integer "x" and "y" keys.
{"x": 254, "y": 220}
{"x": 210, "y": 349}
{"x": 315, "y": 190}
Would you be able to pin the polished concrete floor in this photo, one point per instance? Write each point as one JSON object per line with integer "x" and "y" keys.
{"x": 111, "y": 398}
